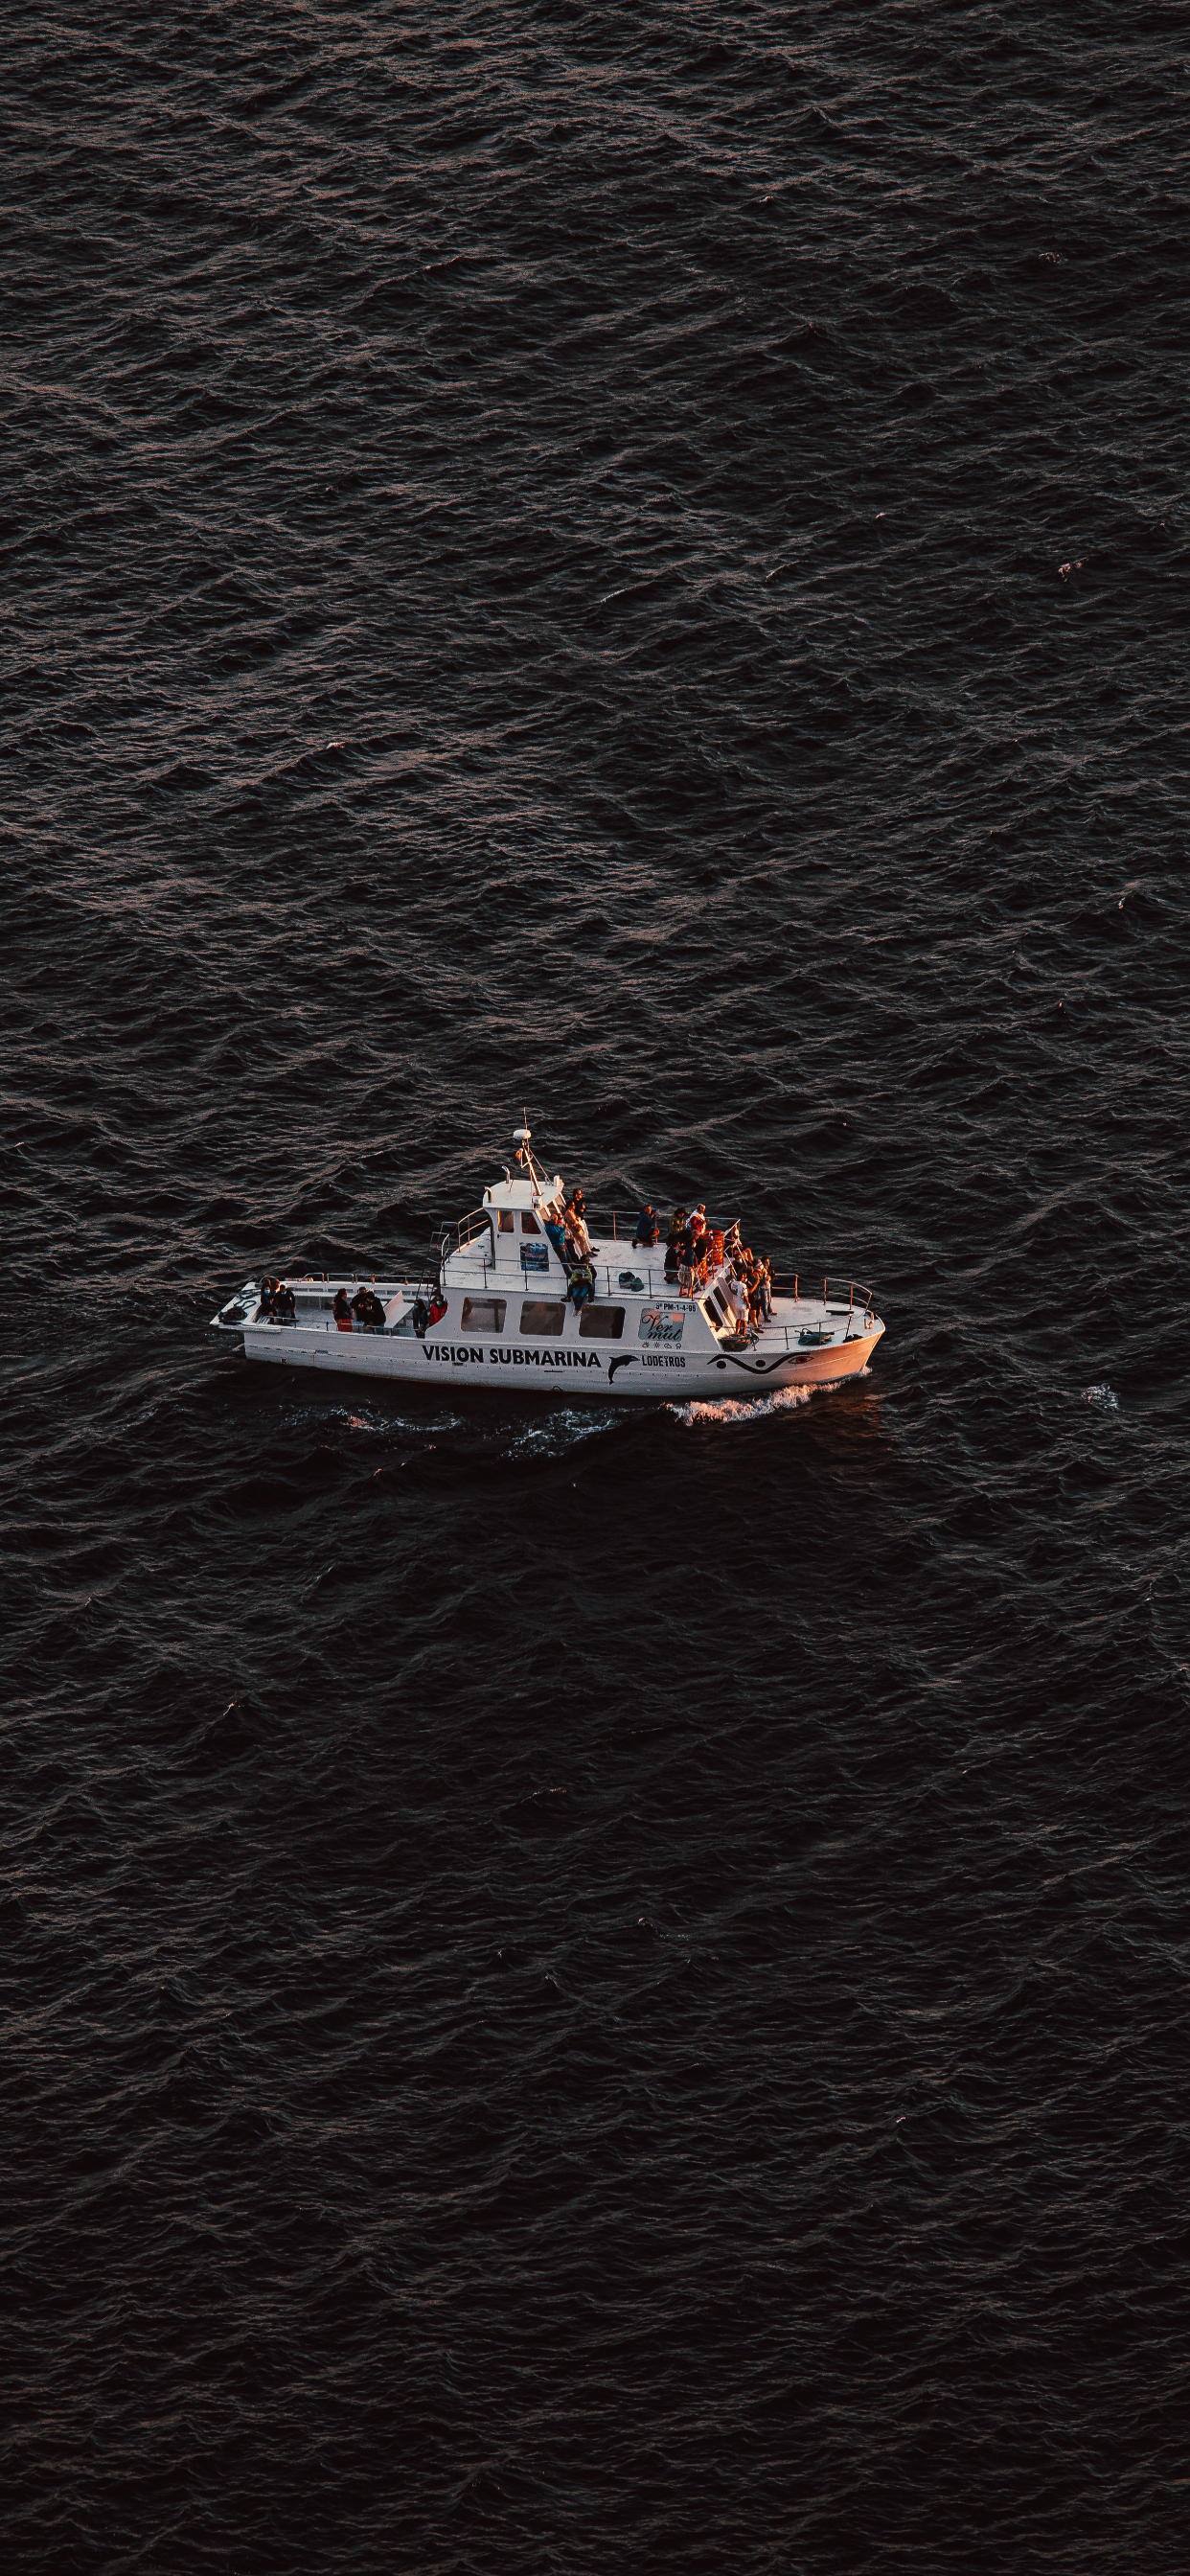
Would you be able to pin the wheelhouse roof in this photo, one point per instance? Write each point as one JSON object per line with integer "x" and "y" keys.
{"x": 521, "y": 1193}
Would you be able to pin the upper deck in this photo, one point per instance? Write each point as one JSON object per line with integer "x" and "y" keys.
{"x": 503, "y": 1246}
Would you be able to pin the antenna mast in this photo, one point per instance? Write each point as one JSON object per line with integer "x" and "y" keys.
{"x": 524, "y": 1152}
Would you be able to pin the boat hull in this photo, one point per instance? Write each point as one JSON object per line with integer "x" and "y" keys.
{"x": 615, "y": 1376}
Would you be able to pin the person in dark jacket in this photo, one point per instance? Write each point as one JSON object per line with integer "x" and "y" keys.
{"x": 575, "y": 1216}
{"x": 648, "y": 1230}
{"x": 342, "y": 1311}
{"x": 284, "y": 1306}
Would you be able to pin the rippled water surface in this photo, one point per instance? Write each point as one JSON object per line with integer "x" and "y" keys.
{"x": 596, "y": 1989}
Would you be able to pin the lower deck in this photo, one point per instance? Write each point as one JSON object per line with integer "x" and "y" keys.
{"x": 626, "y": 1340}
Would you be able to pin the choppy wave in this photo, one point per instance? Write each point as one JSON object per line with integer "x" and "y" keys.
{"x": 583, "y": 1994}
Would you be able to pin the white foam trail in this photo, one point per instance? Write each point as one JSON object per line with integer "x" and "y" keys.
{"x": 559, "y": 1432}
{"x": 749, "y": 1408}
{"x": 742, "y": 1408}
{"x": 1103, "y": 1397}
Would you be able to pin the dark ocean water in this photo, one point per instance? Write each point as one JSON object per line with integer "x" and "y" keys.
{"x": 596, "y": 1991}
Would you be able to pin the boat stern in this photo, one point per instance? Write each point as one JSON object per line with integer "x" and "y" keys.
{"x": 239, "y": 1309}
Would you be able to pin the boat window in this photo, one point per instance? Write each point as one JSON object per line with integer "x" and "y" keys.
{"x": 601, "y": 1323}
{"x": 507, "y": 1221}
{"x": 538, "y": 1317}
{"x": 529, "y": 1224}
{"x": 483, "y": 1314}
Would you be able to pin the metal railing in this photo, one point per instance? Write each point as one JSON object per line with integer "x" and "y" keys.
{"x": 844, "y": 1294}
{"x": 598, "y": 1226}
{"x": 842, "y": 1297}
{"x": 469, "y": 1226}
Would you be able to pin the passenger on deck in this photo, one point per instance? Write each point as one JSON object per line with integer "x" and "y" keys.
{"x": 556, "y": 1232}
{"x": 266, "y": 1300}
{"x": 738, "y": 1302}
{"x": 581, "y": 1285}
{"x": 421, "y": 1317}
{"x": 673, "y": 1238}
{"x": 575, "y": 1215}
{"x": 360, "y": 1304}
{"x": 437, "y": 1307}
{"x": 284, "y": 1306}
{"x": 342, "y": 1311}
{"x": 648, "y": 1230}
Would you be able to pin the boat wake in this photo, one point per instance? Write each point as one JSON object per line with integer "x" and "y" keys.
{"x": 560, "y": 1431}
{"x": 744, "y": 1408}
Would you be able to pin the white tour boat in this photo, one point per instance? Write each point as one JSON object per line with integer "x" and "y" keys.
{"x": 495, "y": 1307}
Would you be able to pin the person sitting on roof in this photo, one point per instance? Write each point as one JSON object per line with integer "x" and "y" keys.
{"x": 581, "y": 1284}
{"x": 342, "y": 1311}
{"x": 648, "y": 1230}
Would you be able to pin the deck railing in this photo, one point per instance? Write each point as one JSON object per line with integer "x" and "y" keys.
{"x": 599, "y": 1226}
{"x": 469, "y": 1226}
{"x": 843, "y": 1297}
